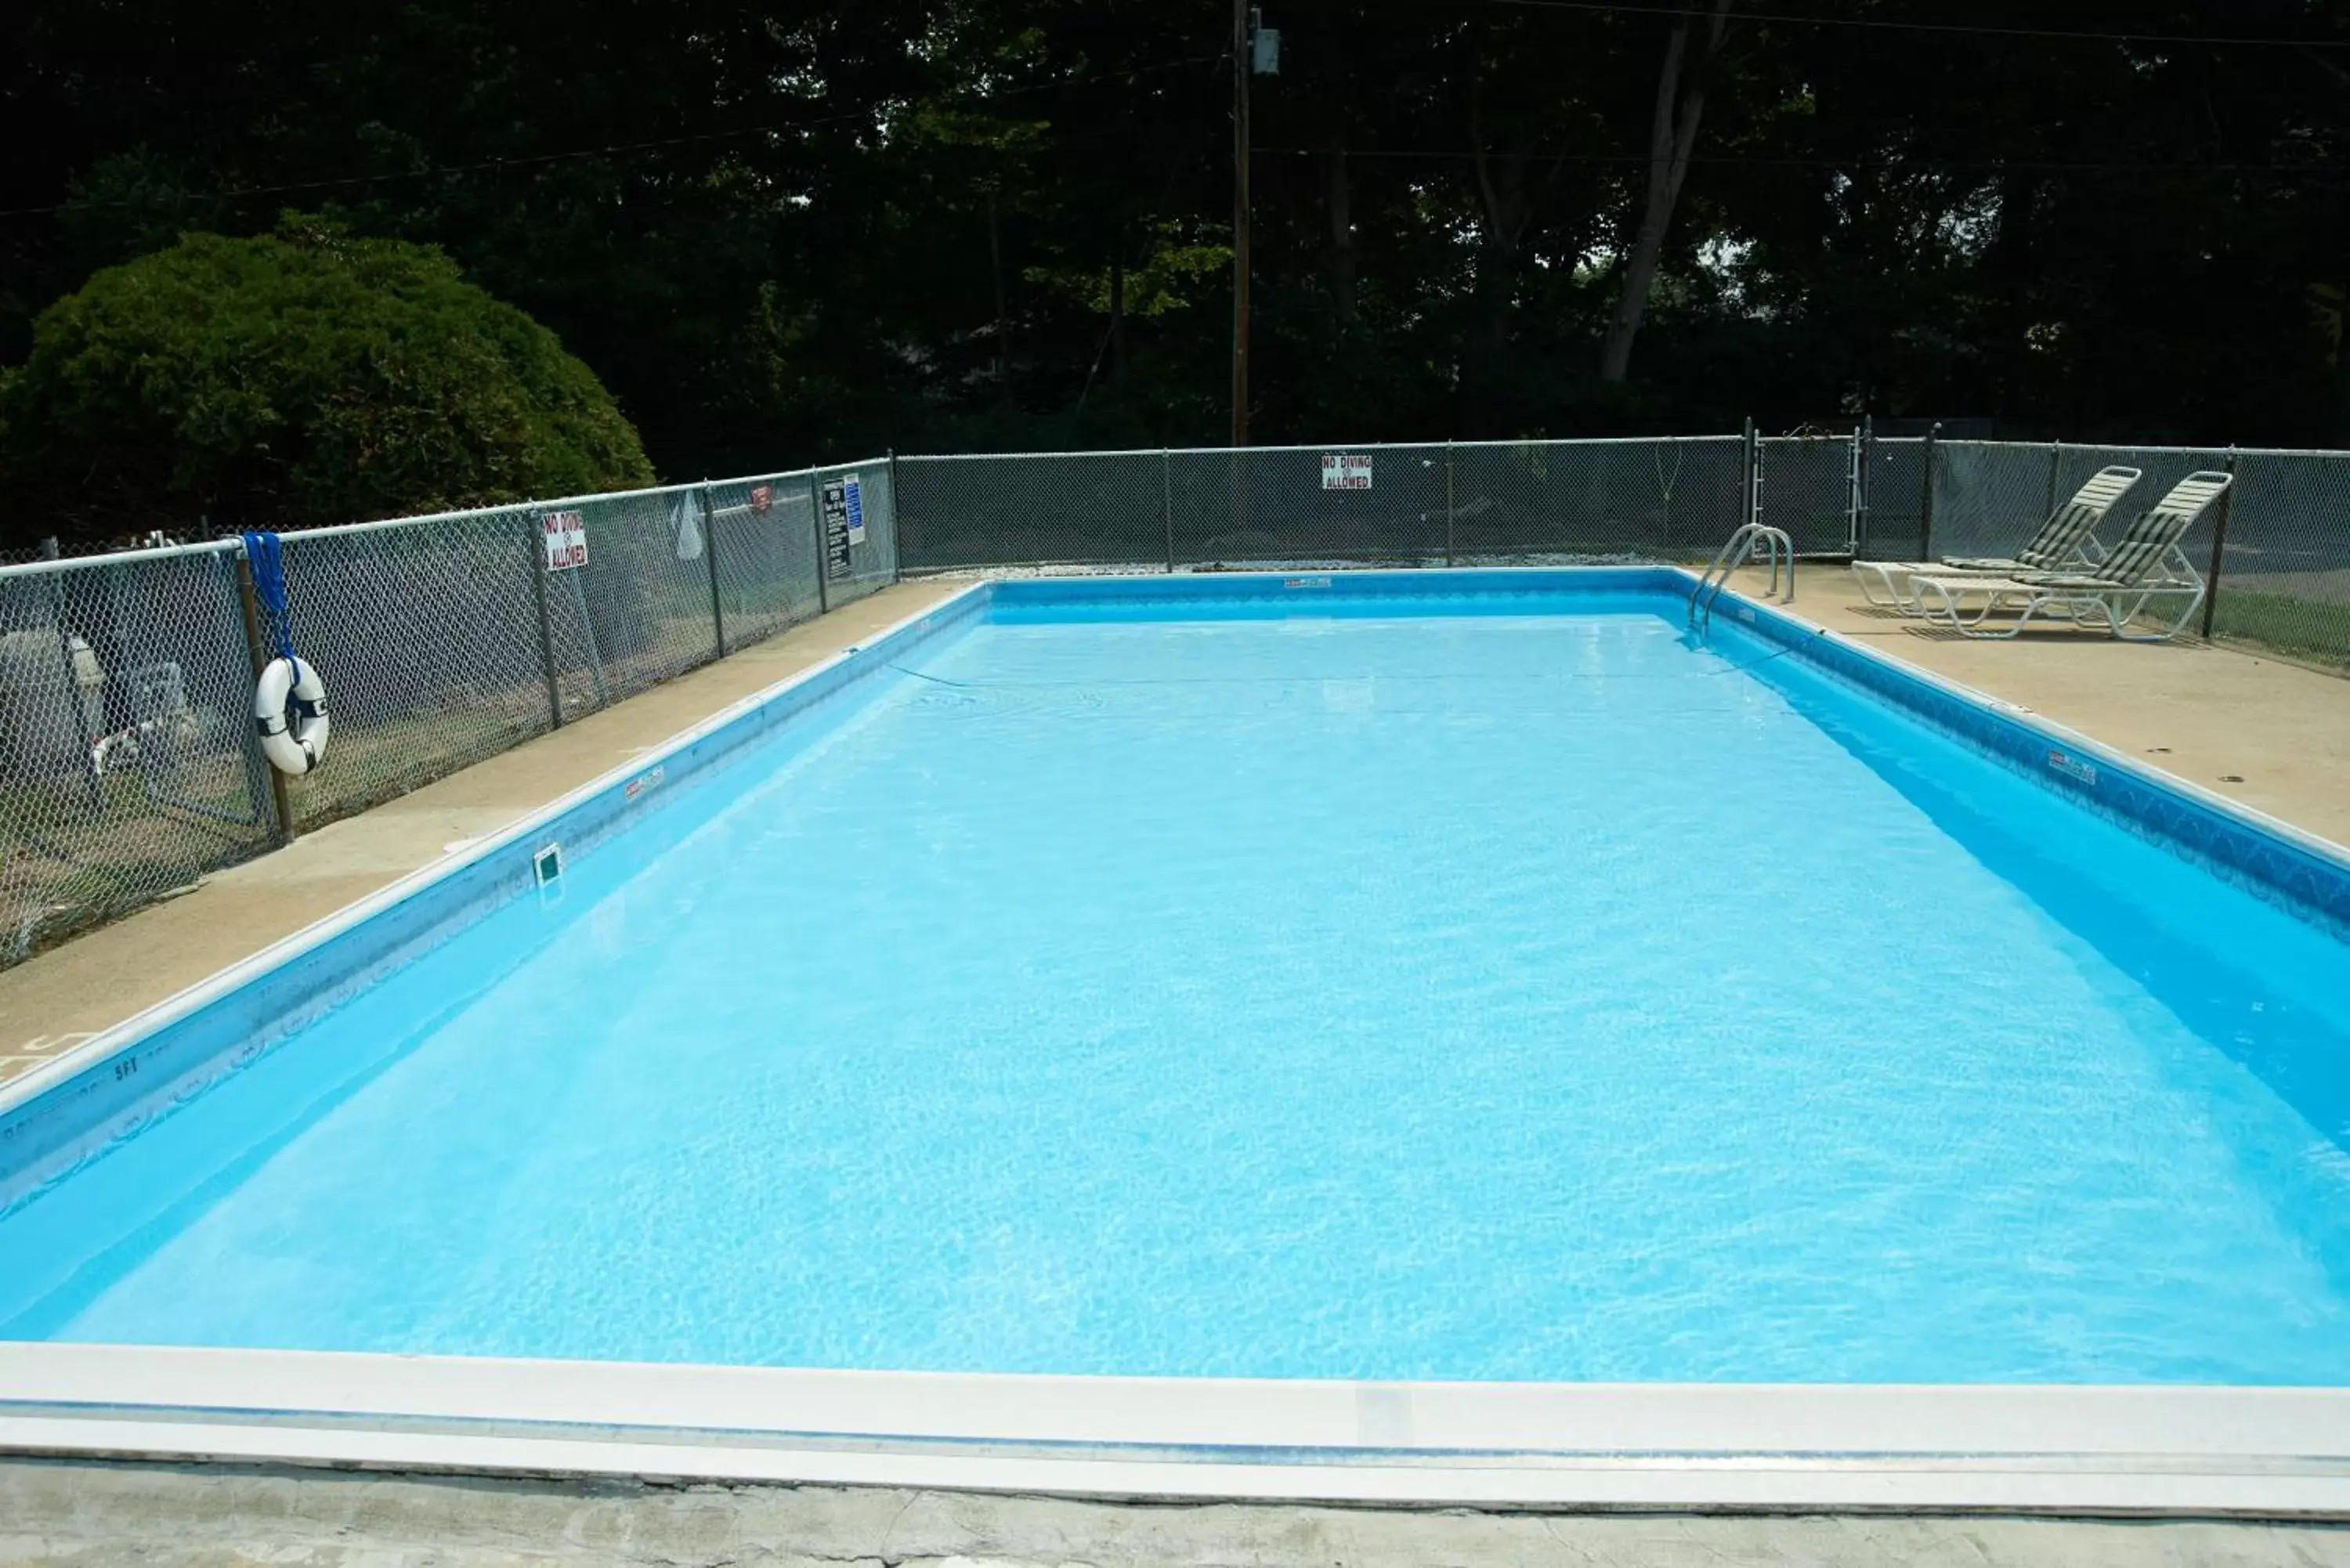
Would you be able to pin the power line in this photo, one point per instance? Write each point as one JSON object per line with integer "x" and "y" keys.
{"x": 1736, "y": 160}
{"x": 1971, "y": 28}
{"x": 613, "y": 149}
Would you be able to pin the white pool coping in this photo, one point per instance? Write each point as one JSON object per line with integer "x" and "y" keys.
{"x": 2153, "y": 1450}
{"x": 2272, "y": 1452}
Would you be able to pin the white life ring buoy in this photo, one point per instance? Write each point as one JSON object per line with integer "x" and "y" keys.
{"x": 295, "y": 747}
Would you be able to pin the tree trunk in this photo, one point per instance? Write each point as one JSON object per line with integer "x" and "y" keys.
{"x": 1117, "y": 306}
{"x": 1501, "y": 199}
{"x": 2342, "y": 367}
{"x": 1002, "y": 307}
{"x": 1342, "y": 233}
{"x": 1672, "y": 136}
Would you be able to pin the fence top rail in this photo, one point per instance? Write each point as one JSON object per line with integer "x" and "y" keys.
{"x": 118, "y": 559}
{"x": 341, "y": 530}
{"x": 2316, "y": 451}
{"x": 1315, "y": 447}
{"x": 2338, "y": 454}
{"x": 468, "y": 513}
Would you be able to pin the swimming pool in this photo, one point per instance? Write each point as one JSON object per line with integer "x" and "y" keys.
{"x": 1460, "y": 977}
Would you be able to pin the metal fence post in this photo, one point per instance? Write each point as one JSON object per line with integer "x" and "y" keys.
{"x": 823, "y": 561}
{"x": 2055, "y": 469}
{"x": 1926, "y": 503}
{"x": 533, "y": 531}
{"x": 1747, "y": 478}
{"x": 1447, "y": 503}
{"x": 897, "y": 549}
{"x": 259, "y": 653}
{"x": 2219, "y": 545}
{"x": 93, "y": 785}
{"x": 1867, "y": 439}
{"x": 710, "y": 555}
{"x": 1167, "y": 503}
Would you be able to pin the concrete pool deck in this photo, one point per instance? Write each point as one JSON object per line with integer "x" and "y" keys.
{"x": 2270, "y": 735}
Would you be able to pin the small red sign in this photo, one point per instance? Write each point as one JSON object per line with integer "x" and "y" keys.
{"x": 762, "y": 497}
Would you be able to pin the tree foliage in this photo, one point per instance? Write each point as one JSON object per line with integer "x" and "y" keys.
{"x": 801, "y": 234}
{"x": 299, "y": 376}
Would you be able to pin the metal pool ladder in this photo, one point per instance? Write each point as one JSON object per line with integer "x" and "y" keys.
{"x": 1735, "y": 551}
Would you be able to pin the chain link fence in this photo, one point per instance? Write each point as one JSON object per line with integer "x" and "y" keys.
{"x": 1669, "y": 497}
{"x": 1076, "y": 509}
{"x": 129, "y": 764}
{"x": 860, "y": 548}
{"x": 2282, "y": 577}
{"x": 2276, "y": 551}
{"x": 129, "y": 768}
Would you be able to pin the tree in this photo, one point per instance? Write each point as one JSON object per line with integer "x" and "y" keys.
{"x": 302, "y": 377}
{"x": 805, "y": 233}
{"x": 1672, "y": 139}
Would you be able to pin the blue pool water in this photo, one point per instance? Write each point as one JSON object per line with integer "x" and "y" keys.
{"x": 1480, "y": 994}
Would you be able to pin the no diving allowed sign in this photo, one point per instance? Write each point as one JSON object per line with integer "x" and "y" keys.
{"x": 844, "y": 522}
{"x": 1346, "y": 471}
{"x": 565, "y": 536}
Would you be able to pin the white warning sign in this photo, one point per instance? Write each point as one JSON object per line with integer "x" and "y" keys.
{"x": 1346, "y": 471}
{"x": 566, "y": 536}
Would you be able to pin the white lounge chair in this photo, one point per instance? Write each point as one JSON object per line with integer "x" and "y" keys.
{"x": 2145, "y": 565}
{"x": 2066, "y": 542}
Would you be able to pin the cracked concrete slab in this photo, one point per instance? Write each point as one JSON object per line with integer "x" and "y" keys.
{"x": 65, "y": 1514}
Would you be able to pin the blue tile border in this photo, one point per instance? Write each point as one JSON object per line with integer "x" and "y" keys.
{"x": 1322, "y": 592}
{"x": 2302, "y": 874}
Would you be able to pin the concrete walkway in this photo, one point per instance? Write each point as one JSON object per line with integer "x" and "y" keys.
{"x": 73, "y": 1515}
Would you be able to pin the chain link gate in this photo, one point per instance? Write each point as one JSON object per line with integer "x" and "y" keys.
{"x": 1809, "y": 486}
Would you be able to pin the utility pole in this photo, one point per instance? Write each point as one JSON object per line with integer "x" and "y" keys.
{"x": 1256, "y": 51}
{"x": 1242, "y": 64}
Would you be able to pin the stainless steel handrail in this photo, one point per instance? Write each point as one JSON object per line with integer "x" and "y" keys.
{"x": 1735, "y": 551}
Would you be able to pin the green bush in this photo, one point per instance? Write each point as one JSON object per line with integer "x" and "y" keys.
{"x": 299, "y": 378}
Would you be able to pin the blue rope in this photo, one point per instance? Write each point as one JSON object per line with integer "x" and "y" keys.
{"x": 267, "y": 555}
